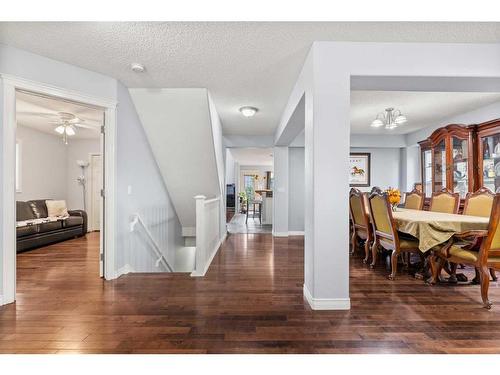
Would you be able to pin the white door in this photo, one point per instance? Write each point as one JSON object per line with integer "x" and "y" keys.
{"x": 96, "y": 181}
{"x": 96, "y": 204}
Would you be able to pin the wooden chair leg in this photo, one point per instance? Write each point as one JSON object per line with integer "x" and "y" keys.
{"x": 353, "y": 242}
{"x": 367, "y": 251}
{"x": 485, "y": 283}
{"x": 374, "y": 254}
{"x": 436, "y": 267}
{"x": 493, "y": 274}
{"x": 453, "y": 273}
{"x": 394, "y": 265}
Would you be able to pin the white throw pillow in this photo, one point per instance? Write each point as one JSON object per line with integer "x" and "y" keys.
{"x": 56, "y": 208}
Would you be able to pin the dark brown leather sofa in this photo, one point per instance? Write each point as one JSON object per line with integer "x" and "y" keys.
{"x": 36, "y": 235}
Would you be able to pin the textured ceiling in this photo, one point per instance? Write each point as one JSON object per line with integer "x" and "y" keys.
{"x": 39, "y": 113}
{"x": 244, "y": 63}
{"x": 422, "y": 109}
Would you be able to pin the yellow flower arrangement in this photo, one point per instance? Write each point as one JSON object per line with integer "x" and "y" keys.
{"x": 394, "y": 196}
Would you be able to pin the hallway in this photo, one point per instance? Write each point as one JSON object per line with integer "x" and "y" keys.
{"x": 250, "y": 301}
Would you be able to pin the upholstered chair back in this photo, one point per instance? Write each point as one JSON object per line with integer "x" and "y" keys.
{"x": 380, "y": 211}
{"x": 357, "y": 209}
{"x": 479, "y": 203}
{"x": 494, "y": 230}
{"x": 414, "y": 200}
{"x": 445, "y": 202}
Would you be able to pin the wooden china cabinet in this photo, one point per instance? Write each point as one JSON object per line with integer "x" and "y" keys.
{"x": 461, "y": 158}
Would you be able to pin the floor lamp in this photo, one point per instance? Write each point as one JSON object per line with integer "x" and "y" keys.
{"x": 82, "y": 181}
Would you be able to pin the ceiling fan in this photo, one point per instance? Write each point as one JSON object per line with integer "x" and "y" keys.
{"x": 67, "y": 125}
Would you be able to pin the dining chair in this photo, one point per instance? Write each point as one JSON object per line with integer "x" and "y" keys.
{"x": 414, "y": 200}
{"x": 477, "y": 248}
{"x": 479, "y": 203}
{"x": 254, "y": 203}
{"x": 361, "y": 226}
{"x": 376, "y": 189}
{"x": 385, "y": 232}
{"x": 445, "y": 201}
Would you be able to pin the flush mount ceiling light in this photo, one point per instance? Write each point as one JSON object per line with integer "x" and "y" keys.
{"x": 138, "y": 68}
{"x": 391, "y": 119}
{"x": 248, "y": 111}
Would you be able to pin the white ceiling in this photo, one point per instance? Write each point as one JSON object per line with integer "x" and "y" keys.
{"x": 241, "y": 63}
{"x": 39, "y": 113}
{"x": 422, "y": 109}
{"x": 253, "y": 156}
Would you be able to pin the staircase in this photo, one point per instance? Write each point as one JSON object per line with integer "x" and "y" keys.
{"x": 185, "y": 136}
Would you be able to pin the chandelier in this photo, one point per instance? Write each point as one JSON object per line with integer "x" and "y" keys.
{"x": 391, "y": 119}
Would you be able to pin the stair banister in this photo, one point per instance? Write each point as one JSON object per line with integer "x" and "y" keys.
{"x": 136, "y": 219}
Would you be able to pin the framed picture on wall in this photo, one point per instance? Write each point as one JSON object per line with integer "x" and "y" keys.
{"x": 359, "y": 169}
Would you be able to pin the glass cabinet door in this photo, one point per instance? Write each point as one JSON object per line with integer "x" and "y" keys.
{"x": 427, "y": 172}
{"x": 491, "y": 162}
{"x": 460, "y": 173}
{"x": 440, "y": 166}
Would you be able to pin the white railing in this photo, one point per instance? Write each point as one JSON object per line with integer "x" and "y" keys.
{"x": 209, "y": 232}
{"x": 136, "y": 219}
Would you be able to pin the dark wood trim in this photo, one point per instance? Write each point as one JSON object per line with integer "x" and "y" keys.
{"x": 473, "y": 134}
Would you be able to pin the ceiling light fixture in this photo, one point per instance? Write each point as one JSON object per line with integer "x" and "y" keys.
{"x": 138, "y": 68}
{"x": 248, "y": 111}
{"x": 391, "y": 119}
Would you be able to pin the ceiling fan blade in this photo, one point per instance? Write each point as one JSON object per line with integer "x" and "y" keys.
{"x": 40, "y": 114}
{"x": 86, "y": 126}
{"x": 76, "y": 120}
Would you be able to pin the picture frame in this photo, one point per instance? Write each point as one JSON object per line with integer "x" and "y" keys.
{"x": 359, "y": 169}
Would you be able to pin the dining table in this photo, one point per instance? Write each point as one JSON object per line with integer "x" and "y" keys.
{"x": 435, "y": 228}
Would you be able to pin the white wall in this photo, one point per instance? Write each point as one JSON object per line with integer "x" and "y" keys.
{"x": 230, "y": 167}
{"x": 180, "y": 129}
{"x": 385, "y": 167}
{"x": 149, "y": 197}
{"x": 296, "y": 189}
{"x": 49, "y": 168}
{"x": 43, "y": 165}
{"x": 280, "y": 193}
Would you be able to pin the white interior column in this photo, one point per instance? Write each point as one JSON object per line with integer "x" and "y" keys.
{"x": 327, "y": 141}
{"x": 280, "y": 193}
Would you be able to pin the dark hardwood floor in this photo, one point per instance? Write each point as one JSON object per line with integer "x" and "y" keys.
{"x": 250, "y": 302}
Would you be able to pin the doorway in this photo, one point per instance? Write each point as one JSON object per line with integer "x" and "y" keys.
{"x": 12, "y": 88}
{"x": 250, "y": 175}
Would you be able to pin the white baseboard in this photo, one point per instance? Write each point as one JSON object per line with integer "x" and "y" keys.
{"x": 209, "y": 262}
{"x": 290, "y": 233}
{"x": 326, "y": 303}
{"x": 127, "y": 268}
{"x": 280, "y": 234}
{"x": 1, "y": 300}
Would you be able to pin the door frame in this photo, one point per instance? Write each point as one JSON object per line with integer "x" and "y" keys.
{"x": 8, "y": 86}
